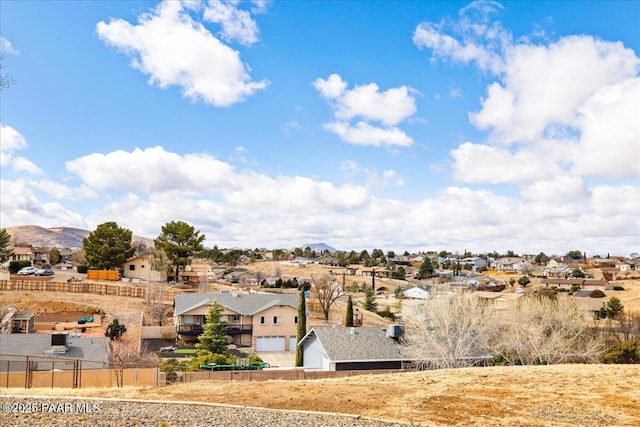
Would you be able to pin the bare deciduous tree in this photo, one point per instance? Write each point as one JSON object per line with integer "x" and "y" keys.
{"x": 625, "y": 328}
{"x": 124, "y": 354}
{"x": 541, "y": 331}
{"x": 5, "y": 79}
{"x": 449, "y": 331}
{"x": 453, "y": 331}
{"x": 327, "y": 292}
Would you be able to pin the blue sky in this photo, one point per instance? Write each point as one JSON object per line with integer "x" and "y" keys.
{"x": 396, "y": 125}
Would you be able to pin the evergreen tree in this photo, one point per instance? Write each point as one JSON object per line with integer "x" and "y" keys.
{"x": 180, "y": 241}
{"x": 614, "y": 307}
{"x": 426, "y": 269}
{"x": 214, "y": 339}
{"x": 369, "y": 303}
{"x": 108, "y": 246}
{"x": 348, "y": 321}
{"x": 5, "y": 251}
{"x": 302, "y": 328}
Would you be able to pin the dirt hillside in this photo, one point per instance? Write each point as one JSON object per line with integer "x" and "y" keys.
{"x": 558, "y": 396}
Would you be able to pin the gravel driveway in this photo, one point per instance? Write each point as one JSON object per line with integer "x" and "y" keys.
{"x": 65, "y": 411}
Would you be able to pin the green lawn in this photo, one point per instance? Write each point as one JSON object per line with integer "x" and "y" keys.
{"x": 185, "y": 351}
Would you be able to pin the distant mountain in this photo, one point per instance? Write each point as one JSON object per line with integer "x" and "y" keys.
{"x": 319, "y": 247}
{"x": 55, "y": 237}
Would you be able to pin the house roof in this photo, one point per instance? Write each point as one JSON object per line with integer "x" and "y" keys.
{"x": 24, "y": 315}
{"x": 509, "y": 260}
{"x": 590, "y": 304}
{"x": 487, "y": 294}
{"x": 244, "y": 304}
{"x": 85, "y": 348}
{"x": 425, "y": 288}
{"x": 22, "y": 250}
{"x": 357, "y": 344}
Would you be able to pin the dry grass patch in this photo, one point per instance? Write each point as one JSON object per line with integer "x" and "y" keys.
{"x": 560, "y": 395}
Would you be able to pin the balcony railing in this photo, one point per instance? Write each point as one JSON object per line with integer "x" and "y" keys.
{"x": 199, "y": 329}
{"x": 239, "y": 329}
{"x": 190, "y": 329}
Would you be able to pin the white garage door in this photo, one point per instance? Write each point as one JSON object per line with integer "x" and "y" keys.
{"x": 292, "y": 343}
{"x": 270, "y": 344}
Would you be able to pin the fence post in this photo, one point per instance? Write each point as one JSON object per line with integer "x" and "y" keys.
{"x": 26, "y": 373}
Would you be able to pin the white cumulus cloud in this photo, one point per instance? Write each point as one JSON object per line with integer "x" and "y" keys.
{"x": 377, "y": 112}
{"x": 543, "y": 86}
{"x": 7, "y": 48}
{"x": 10, "y": 140}
{"x": 151, "y": 170}
{"x": 20, "y": 164}
{"x": 558, "y": 189}
{"x": 566, "y": 108}
{"x": 237, "y": 25}
{"x": 175, "y": 50}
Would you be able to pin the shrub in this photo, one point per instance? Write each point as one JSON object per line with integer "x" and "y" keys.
{"x": 618, "y": 288}
{"x": 114, "y": 330}
{"x": 15, "y": 266}
{"x": 254, "y": 359}
{"x": 82, "y": 269}
{"x": 166, "y": 336}
{"x": 574, "y": 288}
{"x": 597, "y": 294}
{"x": 387, "y": 313}
{"x": 623, "y": 353}
{"x": 205, "y": 359}
{"x": 524, "y": 281}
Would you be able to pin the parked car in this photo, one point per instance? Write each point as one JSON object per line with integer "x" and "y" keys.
{"x": 44, "y": 272}
{"x": 27, "y": 271}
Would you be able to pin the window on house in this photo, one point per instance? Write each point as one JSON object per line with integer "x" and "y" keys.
{"x": 132, "y": 267}
{"x": 236, "y": 318}
{"x": 187, "y": 320}
{"x": 264, "y": 320}
{"x": 295, "y": 320}
{"x": 142, "y": 266}
{"x": 277, "y": 320}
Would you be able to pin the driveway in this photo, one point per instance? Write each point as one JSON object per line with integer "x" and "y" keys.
{"x": 279, "y": 359}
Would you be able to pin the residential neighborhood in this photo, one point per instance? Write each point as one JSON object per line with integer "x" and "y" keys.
{"x": 308, "y": 213}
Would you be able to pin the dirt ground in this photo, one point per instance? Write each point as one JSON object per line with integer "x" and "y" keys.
{"x": 559, "y": 396}
{"x": 126, "y": 310}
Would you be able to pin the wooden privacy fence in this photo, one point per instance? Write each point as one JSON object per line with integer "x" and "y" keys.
{"x": 141, "y": 377}
{"x": 262, "y": 375}
{"x": 100, "y": 378}
{"x": 74, "y": 287}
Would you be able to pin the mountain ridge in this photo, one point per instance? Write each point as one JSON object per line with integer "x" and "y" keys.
{"x": 55, "y": 237}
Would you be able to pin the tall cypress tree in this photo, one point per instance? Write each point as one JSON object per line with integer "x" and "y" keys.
{"x": 348, "y": 321}
{"x": 302, "y": 327}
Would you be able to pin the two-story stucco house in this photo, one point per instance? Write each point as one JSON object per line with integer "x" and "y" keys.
{"x": 142, "y": 268}
{"x": 266, "y": 322}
